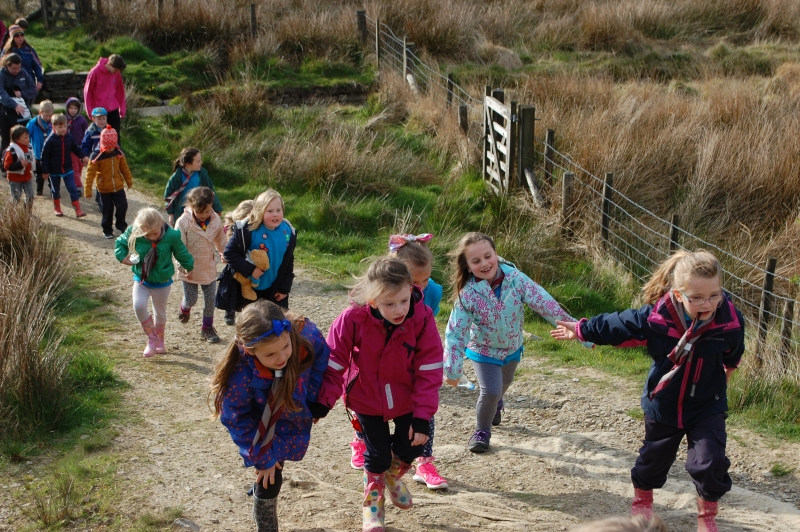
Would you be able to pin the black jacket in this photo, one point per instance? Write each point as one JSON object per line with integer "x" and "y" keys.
{"x": 55, "y": 153}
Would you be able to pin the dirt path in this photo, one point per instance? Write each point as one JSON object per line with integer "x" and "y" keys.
{"x": 562, "y": 455}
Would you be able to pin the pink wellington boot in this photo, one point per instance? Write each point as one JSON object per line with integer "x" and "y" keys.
{"x": 159, "y": 346}
{"x": 706, "y": 515}
{"x": 398, "y": 492}
{"x": 150, "y": 331}
{"x": 642, "y": 503}
{"x": 357, "y": 456}
{"x": 373, "y": 512}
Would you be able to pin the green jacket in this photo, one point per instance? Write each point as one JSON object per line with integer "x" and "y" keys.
{"x": 175, "y": 183}
{"x": 168, "y": 246}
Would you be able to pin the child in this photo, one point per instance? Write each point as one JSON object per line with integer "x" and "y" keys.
{"x": 110, "y": 169}
{"x": 416, "y": 255}
{"x": 18, "y": 162}
{"x": 692, "y": 331}
{"x": 486, "y": 326}
{"x": 91, "y": 139}
{"x": 386, "y": 357}
{"x": 201, "y": 232}
{"x": 39, "y": 129}
{"x": 77, "y": 125}
{"x": 188, "y": 174}
{"x": 57, "y": 166}
{"x": 148, "y": 246}
{"x": 261, "y": 388}
{"x": 265, "y": 228}
{"x": 241, "y": 212}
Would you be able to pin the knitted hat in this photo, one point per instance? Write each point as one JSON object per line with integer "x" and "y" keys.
{"x": 15, "y": 30}
{"x": 108, "y": 139}
{"x": 116, "y": 61}
{"x": 99, "y": 111}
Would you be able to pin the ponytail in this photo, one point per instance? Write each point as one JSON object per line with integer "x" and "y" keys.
{"x": 186, "y": 157}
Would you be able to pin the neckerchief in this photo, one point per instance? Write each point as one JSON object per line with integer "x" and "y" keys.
{"x": 202, "y": 223}
{"x": 172, "y": 197}
{"x": 152, "y": 255}
{"x": 682, "y": 353}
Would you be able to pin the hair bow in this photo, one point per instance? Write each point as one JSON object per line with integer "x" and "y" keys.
{"x": 398, "y": 241}
{"x": 278, "y": 326}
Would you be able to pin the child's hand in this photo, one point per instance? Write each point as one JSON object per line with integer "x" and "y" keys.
{"x": 172, "y": 220}
{"x": 416, "y": 439}
{"x": 257, "y": 274}
{"x": 46, "y": 177}
{"x": 279, "y": 296}
{"x": 126, "y": 261}
{"x": 222, "y": 258}
{"x": 267, "y": 475}
{"x": 452, "y": 382}
{"x": 85, "y": 160}
{"x": 24, "y": 162}
{"x": 565, "y": 330}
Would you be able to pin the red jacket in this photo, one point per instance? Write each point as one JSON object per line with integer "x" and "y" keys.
{"x": 391, "y": 374}
{"x": 13, "y": 166}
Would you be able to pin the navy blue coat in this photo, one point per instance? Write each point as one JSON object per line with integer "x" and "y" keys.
{"x": 698, "y": 390}
{"x": 55, "y": 154}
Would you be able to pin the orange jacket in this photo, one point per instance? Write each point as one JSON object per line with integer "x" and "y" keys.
{"x": 111, "y": 172}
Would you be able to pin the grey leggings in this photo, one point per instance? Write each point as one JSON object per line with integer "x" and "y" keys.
{"x": 190, "y": 295}
{"x": 141, "y": 294}
{"x": 494, "y": 381}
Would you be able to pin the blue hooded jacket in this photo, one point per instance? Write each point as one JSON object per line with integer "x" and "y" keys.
{"x": 38, "y": 130}
{"x": 247, "y": 393}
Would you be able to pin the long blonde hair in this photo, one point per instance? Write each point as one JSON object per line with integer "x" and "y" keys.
{"x": 385, "y": 274}
{"x": 146, "y": 220}
{"x": 260, "y": 205}
{"x": 254, "y": 321}
{"x": 676, "y": 271}
{"x": 241, "y": 212}
{"x": 461, "y": 273}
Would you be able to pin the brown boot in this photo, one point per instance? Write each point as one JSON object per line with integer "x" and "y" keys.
{"x": 706, "y": 515}
{"x": 247, "y": 286}
{"x": 642, "y": 503}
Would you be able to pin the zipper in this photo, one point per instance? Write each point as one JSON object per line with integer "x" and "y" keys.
{"x": 697, "y": 370}
{"x": 684, "y": 381}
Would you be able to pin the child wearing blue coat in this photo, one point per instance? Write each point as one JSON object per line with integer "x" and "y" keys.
{"x": 695, "y": 337}
{"x": 261, "y": 386}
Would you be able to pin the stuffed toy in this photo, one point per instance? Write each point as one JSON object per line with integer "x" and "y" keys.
{"x": 260, "y": 258}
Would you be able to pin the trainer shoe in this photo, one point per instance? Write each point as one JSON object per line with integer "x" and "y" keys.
{"x": 498, "y": 417}
{"x": 479, "y": 442}
{"x": 108, "y": 236}
{"x": 209, "y": 335}
{"x": 183, "y": 317}
{"x": 357, "y": 458}
{"x": 425, "y": 472}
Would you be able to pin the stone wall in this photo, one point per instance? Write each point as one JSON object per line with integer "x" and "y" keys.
{"x": 60, "y": 85}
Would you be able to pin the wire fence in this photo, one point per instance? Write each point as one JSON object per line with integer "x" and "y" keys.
{"x": 638, "y": 239}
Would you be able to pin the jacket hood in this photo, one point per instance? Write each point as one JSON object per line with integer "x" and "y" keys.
{"x": 101, "y": 63}
{"x": 75, "y": 101}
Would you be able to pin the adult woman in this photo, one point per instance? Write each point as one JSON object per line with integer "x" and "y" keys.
{"x": 14, "y": 82}
{"x": 30, "y": 60}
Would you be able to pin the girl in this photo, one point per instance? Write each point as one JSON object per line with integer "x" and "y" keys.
{"x": 414, "y": 252}
{"x": 241, "y": 212}
{"x": 261, "y": 387}
{"x": 188, "y": 173}
{"x": 148, "y": 247}
{"x": 201, "y": 232}
{"x": 77, "y": 125}
{"x": 386, "y": 356}
{"x": 695, "y": 337}
{"x": 486, "y": 326}
{"x": 266, "y": 229}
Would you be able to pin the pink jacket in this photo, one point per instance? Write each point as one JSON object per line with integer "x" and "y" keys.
{"x": 390, "y": 376}
{"x": 104, "y": 89}
{"x": 203, "y": 245}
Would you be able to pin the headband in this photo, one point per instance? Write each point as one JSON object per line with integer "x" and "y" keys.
{"x": 278, "y": 326}
{"x": 398, "y": 241}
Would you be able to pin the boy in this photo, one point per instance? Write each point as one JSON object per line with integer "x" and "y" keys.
{"x": 109, "y": 167}
{"x": 18, "y": 163}
{"x": 38, "y": 129}
{"x": 57, "y": 164}
{"x": 104, "y": 88}
{"x": 91, "y": 139}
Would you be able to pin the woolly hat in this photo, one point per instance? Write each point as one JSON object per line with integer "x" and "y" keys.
{"x": 14, "y": 30}
{"x": 99, "y": 111}
{"x": 108, "y": 139}
{"x": 116, "y": 61}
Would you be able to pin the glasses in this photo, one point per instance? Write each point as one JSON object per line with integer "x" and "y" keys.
{"x": 700, "y": 301}
{"x": 19, "y": 35}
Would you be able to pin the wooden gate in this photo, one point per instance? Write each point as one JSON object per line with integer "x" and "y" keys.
{"x": 61, "y": 14}
{"x": 500, "y": 141}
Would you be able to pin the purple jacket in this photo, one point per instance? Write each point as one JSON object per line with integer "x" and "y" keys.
{"x": 79, "y": 124}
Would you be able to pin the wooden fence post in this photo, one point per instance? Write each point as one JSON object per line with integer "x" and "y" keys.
{"x": 361, "y": 23}
{"x": 566, "y": 203}
{"x": 549, "y": 153}
{"x": 378, "y": 43}
{"x": 608, "y": 187}
{"x": 17, "y": 6}
{"x": 99, "y": 9}
{"x": 513, "y": 146}
{"x": 673, "y": 233}
{"x": 786, "y": 329}
{"x": 526, "y": 148}
{"x": 486, "y": 133}
{"x": 766, "y": 308}
{"x": 405, "y": 56}
{"x": 412, "y": 51}
{"x": 463, "y": 118}
{"x": 253, "y": 22}
{"x": 160, "y": 10}
{"x": 449, "y": 90}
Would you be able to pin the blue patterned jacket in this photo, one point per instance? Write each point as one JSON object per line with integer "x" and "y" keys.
{"x": 247, "y": 393}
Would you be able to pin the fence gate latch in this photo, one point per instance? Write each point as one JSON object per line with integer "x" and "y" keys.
{"x": 514, "y": 118}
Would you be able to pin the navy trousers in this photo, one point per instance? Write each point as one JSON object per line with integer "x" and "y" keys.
{"x": 381, "y": 443}
{"x": 114, "y": 201}
{"x": 705, "y": 462}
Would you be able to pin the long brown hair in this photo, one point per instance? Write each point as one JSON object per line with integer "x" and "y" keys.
{"x": 676, "y": 271}
{"x": 416, "y": 254}
{"x": 186, "y": 156}
{"x": 461, "y": 273}
{"x": 254, "y": 321}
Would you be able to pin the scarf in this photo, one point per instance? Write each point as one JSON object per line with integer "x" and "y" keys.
{"x": 682, "y": 353}
{"x": 172, "y": 197}
{"x": 152, "y": 255}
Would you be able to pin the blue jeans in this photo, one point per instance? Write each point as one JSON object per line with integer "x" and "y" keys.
{"x": 69, "y": 182}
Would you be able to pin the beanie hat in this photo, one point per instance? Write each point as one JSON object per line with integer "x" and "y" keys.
{"x": 108, "y": 139}
{"x": 99, "y": 111}
{"x": 14, "y": 30}
{"x": 116, "y": 61}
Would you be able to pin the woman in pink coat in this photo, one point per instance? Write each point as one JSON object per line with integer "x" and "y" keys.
{"x": 202, "y": 234}
{"x": 386, "y": 360}
{"x": 104, "y": 88}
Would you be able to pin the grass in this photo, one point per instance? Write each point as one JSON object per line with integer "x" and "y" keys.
{"x": 780, "y": 470}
